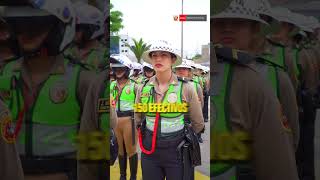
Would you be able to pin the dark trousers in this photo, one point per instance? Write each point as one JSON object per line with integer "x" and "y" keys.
{"x": 305, "y": 152}
{"x": 205, "y": 108}
{"x": 164, "y": 162}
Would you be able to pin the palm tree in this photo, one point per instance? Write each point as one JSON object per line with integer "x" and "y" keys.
{"x": 139, "y": 48}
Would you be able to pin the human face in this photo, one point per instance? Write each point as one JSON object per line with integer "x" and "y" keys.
{"x": 78, "y": 37}
{"x": 234, "y": 33}
{"x": 183, "y": 72}
{"x": 4, "y": 35}
{"x": 161, "y": 61}
{"x": 120, "y": 72}
{"x": 148, "y": 72}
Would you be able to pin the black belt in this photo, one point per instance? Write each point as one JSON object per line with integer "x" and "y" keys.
{"x": 48, "y": 166}
{"x": 172, "y": 140}
{"x": 124, "y": 113}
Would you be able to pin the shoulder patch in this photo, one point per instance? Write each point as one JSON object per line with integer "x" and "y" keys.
{"x": 7, "y": 129}
{"x": 103, "y": 105}
{"x": 182, "y": 79}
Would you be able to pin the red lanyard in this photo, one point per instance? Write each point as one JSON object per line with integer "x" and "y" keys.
{"x": 154, "y": 137}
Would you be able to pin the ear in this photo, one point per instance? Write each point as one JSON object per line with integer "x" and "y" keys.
{"x": 174, "y": 59}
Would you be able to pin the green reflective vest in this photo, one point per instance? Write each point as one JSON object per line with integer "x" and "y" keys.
{"x": 222, "y": 171}
{"x": 50, "y": 125}
{"x": 124, "y": 100}
{"x": 170, "y": 121}
{"x": 105, "y": 115}
{"x": 296, "y": 62}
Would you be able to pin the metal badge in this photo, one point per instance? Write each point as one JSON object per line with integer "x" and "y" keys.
{"x": 128, "y": 90}
{"x": 172, "y": 98}
{"x": 58, "y": 93}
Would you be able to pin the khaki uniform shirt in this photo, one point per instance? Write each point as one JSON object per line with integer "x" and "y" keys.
{"x": 10, "y": 165}
{"x": 255, "y": 109}
{"x": 188, "y": 95}
{"x": 309, "y": 71}
{"x": 287, "y": 91}
{"x": 269, "y": 48}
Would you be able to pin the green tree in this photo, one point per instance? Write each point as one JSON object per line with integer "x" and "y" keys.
{"x": 197, "y": 56}
{"x": 139, "y": 48}
{"x": 115, "y": 20}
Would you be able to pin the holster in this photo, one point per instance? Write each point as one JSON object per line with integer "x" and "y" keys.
{"x": 194, "y": 147}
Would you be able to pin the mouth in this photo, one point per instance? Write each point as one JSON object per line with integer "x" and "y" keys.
{"x": 158, "y": 65}
{"x": 227, "y": 40}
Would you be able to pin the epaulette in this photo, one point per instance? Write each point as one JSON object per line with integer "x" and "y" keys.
{"x": 268, "y": 62}
{"x": 274, "y": 43}
{"x": 75, "y": 61}
{"x": 233, "y": 55}
{"x": 183, "y": 79}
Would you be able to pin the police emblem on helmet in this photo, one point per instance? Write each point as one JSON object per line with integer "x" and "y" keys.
{"x": 58, "y": 93}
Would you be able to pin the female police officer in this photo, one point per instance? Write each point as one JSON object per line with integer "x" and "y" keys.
{"x": 162, "y": 160}
{"x": 122, "y": 95}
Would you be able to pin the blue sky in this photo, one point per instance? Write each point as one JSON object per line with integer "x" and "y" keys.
{"x": 153, "y": 20}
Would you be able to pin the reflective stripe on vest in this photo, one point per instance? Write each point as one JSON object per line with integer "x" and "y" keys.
{"x": 171, "y": 121}
{"x": 95, "y": 58}
{"x": 168, "y": 125}
{"x": 196, "y": 87}
{"x": 221, "y": 92}
{"x": 105, "y": 116}
{"x": 127, "y": 98}
{"x": 297, "y": 67}
{"x": 270, "y": 73}
{"x": 49, "y": 127}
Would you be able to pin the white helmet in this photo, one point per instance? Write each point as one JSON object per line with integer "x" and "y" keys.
{"x": 162, "y": 46}
{"x": 61, "y": 9}
{"x": 261, "y": 6}
{"x": 239, "y": 9}
{"x": 284, "y": 15}
{"x": 144, "y": 64}
{"x": 90, "y": 15}
{"x": 185, "y": 64}
{"x": 123, "y": 61}
{"x": 137, "y": 65}
{"x": 302, "y": 22}
{"x": 314, "y": 22}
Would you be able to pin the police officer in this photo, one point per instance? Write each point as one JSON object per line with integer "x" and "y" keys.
{"x": 89, "y": 31}
{"x": 97, "y": 117}
{"x": 136, "y": 73}
{"x": 10, "y": 165}
{"x": 309, "y": 79}
{"x": 148, "y": 71}
{"x": 49, "y": 91}
{"x": 122, "y": 95}
{"x": 245, "y": 105}
{"x": 184, "y": 71}
{"x": 159, "y": 160}
{"x": 273, "y": 53}
{"x": 272, "y": 49}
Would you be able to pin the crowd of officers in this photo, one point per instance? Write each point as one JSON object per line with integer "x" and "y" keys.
{"x": 133, "y": 82}
{"x": 55, "y": 82}
{"x": 265, "y": 88}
